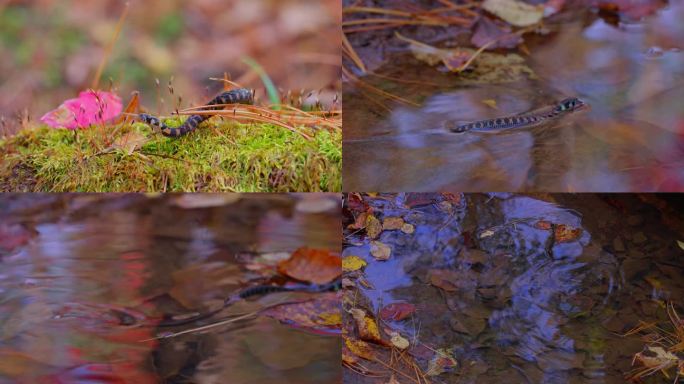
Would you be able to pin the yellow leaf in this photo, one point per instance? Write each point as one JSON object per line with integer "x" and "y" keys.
{"x": 490, "y": 103}
{"x": 380, "y": 251}
{"x": 332, "y": 318}
{"x": 352, "y": 263}
{"x": 681, "y": 244}
{"x": 359, "y": 348}
{"x": 515, "y": 12}
{"x": 368, "y": 329}
{"x": 373, "y": 227}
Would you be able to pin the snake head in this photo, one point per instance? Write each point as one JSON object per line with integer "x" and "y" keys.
{"x": 570, "y": 104}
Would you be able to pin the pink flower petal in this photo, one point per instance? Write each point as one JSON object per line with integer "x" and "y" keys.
{"x": 91, "y": 107}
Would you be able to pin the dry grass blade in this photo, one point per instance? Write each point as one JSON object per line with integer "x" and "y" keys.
{"x": 110, "y": 47}
{"x": 351, "y": 53}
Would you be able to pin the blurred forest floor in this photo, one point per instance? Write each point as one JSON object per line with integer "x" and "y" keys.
{"x": 51, "y": 50}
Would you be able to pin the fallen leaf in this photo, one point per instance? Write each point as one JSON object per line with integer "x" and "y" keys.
{"x": 367, "y": 327}
{"x": 681, "y": 244}
{"x": 441, "y": 362}
{"x": 360, "y": 221}
{"x": 205, "y": 200}
{"x": 317, "y": 266}
{"x": 321, "y": 313}
{"x": 392, "y": 223}
{"x": 515, "y": 12}
{"x": 398, "y": 341}
{"x": 373, "y": 227}
{"x": 352, "y": 263}
{"x": 90, "y": 107}
{"x": 407, "y": 228}
{"x": 396, "y": 311}
{"x": 564, "y": 233}
{"x": 132, "y": 107}
{"x": 488, "y": 30}
{"x": 486, "y": 233}
{"x": 130, "y": 141}
{"x": 380, "y": 251}
{"x": 359, "y": 348}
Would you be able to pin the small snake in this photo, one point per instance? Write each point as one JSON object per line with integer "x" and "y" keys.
{"x": 172, "y": 321}
{"x": 523, "y": 120}
{"x": 235, "y": 96}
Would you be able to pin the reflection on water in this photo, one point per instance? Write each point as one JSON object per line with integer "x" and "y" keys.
{"x": 538, "y": 290}
{"x": 632, "y": 139}
{"x": 85, "y": 278}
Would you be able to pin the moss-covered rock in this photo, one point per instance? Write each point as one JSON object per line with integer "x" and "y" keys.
{"x": 219, "y": 156}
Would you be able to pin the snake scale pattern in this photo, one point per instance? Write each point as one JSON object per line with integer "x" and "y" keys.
{"x": 235, "y": 96}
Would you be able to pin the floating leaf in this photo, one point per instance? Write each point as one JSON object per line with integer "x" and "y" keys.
{"x": 396, "y": 311}
{"x": 317, "y": 266}
{"x": 380, "y": 251}
{"x": 91, "y": 107}
{"x": 373, "y": 227}
{"x": 441, "y": 362}
{"x": 398, "y": 341}
{"x": 352, "y": 263}
{"x": 367, "y": 327}
{"x": 515, "y": 12}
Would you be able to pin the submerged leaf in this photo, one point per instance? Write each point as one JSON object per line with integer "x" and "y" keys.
{"x": 316, "y": 266}
{"x": 396, "y": 311}
{"x": 380, "y": 250}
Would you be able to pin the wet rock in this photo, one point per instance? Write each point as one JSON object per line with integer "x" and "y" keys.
{"x": 618, "y": 245}
{"x": 639, "y": 238}
{"x": 469, "y": 325}
{"x": 560, "y": 360}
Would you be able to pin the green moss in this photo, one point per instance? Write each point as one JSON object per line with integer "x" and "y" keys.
{"x": 220, "y": 156}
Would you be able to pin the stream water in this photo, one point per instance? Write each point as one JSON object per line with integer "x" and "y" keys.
{"x": 631, "y": 139}
{"x": 526, "y": 289}
{"x": 83, "y": 278}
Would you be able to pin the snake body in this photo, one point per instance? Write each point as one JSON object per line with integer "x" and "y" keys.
{"x": 523, "y": 120}
{"x": 235, "y": 96}
{"x": 172, "y": 321}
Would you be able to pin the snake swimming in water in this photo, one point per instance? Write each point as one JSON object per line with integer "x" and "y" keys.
{"x": 172, "y": 321}
{"x": 235, "y": 96}
{"x": 522, "y": 120}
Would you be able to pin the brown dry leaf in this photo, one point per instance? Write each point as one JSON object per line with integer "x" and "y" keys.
{"x": 321, "y": 313}
{"x": 205, "y": 200}
{"x": 367, "y": 327}
{"x": 488, "y": 30}
{"x": 373, "y": 227}
{"x": 441, "y": 362}
{"x": 565, "y": 233}
{"x": 359, "y": 348}
{"x": 360, "y": 221}
{"x": 132, "y": 107}
{"x": 318, "y": 266}
{"x": 130, "y": 141}
{"x": 392, "y": 223}
{"x": 515, "y": 12}
{"x": 380, "y": 250}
